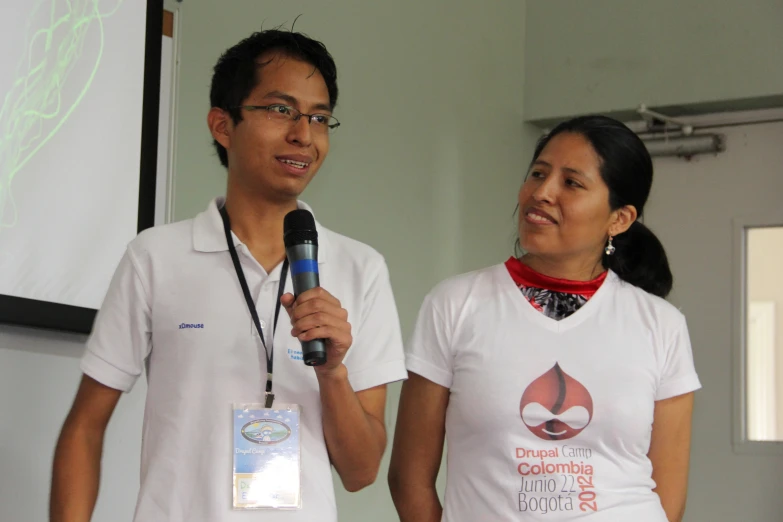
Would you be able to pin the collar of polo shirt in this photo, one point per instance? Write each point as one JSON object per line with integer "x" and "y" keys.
{"x": 209, "y": 236}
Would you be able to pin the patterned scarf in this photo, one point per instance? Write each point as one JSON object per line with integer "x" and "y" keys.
{"x": 555, "y": 298}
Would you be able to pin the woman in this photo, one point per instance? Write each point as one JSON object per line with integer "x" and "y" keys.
{"x": 562, "y": 380}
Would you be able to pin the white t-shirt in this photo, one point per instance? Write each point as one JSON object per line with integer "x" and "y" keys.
{"x": 550, "y": 420}
{"x": 182, "y": 274}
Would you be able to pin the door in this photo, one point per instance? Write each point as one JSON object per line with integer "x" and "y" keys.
{"x": 694, "y": 209}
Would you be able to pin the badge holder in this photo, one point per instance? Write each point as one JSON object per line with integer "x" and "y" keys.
{"x": 267, "y": 457}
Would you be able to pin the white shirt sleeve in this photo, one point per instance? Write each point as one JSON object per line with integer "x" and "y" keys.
{"x": 376, "y": 356}
{"x": 429, "y": 351}
{"x": 121, "y": 337}
{"x": 678, "y": 375}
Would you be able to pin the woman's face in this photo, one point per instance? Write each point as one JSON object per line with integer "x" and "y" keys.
{"x": 564, "y": 208}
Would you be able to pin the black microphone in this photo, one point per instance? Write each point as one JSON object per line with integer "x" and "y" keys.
{"x": 301, "y": 248}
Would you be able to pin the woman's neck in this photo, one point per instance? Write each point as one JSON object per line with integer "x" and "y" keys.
{"x": 570, "y": 269}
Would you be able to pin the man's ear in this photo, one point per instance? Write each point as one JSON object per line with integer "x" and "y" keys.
{"x": 220, "y": 125}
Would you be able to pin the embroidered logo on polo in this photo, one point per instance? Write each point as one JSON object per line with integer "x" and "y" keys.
{"x": 295, "y": 355}
{"x": 184, "y": 326}
{"x": 556, "y": 406}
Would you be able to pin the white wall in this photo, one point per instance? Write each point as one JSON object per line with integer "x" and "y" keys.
{"x": 612, "y": 55}
{"x": 39, "y": 373}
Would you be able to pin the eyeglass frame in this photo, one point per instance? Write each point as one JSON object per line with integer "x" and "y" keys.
{"x": 294, "y": 109}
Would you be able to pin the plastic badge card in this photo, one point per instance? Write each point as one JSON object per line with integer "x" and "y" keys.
{"x": 267, "y": 471}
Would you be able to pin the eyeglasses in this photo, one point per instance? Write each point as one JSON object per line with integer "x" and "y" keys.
{"x": 286, "y": 113}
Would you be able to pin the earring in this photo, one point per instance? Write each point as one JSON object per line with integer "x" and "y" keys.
{"x": 609, "y": 247}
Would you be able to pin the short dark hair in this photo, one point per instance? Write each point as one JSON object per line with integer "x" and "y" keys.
{"x": 627, "y": 169}
{"x": 236, "y": 72}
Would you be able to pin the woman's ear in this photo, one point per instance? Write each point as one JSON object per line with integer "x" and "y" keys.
{"x": 622, "y": 219}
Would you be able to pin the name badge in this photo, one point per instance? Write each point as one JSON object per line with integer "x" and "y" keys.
{"x": 267, "y": 451}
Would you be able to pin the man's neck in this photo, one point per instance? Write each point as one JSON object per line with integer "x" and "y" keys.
{"x": 258, "y": 223}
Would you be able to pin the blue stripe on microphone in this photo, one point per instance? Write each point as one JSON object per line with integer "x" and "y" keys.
{"x": 304, "y": 265}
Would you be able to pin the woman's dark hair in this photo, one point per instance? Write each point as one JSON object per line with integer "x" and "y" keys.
{"x": 626, "y": 168}
{"x": 237, "y": 72}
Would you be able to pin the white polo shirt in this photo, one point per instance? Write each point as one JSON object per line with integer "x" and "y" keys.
{"x": 182, "y": 274}
{"x": 550, "y": 420}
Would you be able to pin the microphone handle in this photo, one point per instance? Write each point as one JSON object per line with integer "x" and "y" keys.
{"x": 304, "y": 276}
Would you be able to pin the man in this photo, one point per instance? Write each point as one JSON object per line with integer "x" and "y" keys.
{"x": 176, "y": 307}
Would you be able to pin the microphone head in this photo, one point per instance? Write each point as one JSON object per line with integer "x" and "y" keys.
{"x": 299, "y": 227}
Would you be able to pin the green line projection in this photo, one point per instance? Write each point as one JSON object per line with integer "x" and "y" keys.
{"x": 39, "y": 100}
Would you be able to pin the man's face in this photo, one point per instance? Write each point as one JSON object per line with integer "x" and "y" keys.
{"x": 277, "y": 156}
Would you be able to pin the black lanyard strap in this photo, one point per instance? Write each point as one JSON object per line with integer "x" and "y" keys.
{"x": 270, "y": 354}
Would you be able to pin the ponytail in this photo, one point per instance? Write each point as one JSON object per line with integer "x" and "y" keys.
{"x": 640, "y": 259}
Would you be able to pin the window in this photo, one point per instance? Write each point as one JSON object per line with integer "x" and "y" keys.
{"x": 759, "y": 374}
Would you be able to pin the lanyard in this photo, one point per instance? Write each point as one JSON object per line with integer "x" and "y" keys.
{"x": 270, "y": 355}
